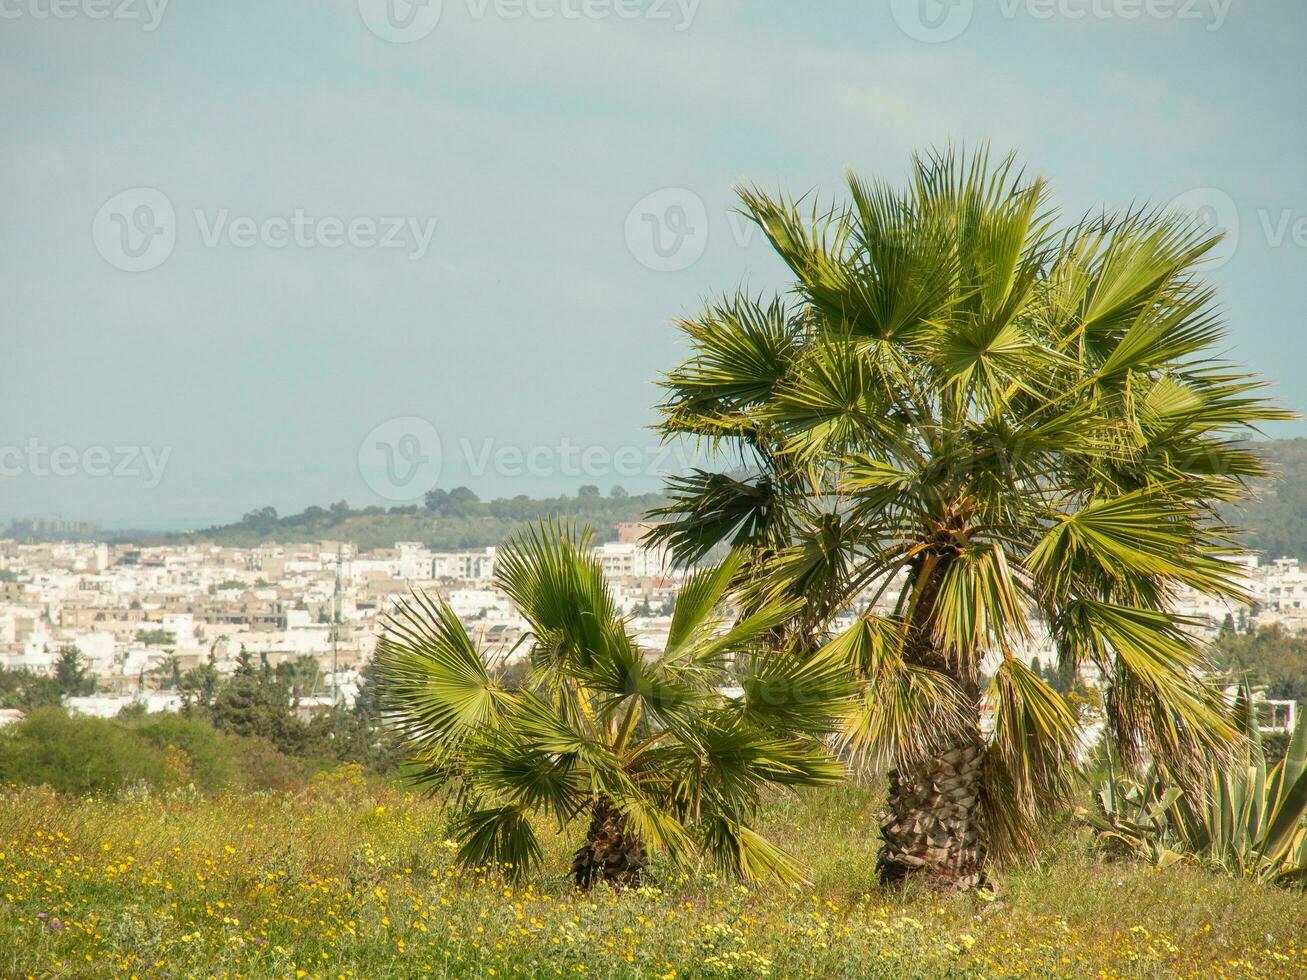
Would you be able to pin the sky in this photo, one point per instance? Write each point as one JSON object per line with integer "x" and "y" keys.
{"x": 286, "y": 252}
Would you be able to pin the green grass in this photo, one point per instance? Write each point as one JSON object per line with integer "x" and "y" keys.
{"x": 354, "y": 879}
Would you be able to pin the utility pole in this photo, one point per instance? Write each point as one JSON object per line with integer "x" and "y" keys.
{"x": 335, "y": 634}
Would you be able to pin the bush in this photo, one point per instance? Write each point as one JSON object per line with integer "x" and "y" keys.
{"x": 77, "y": 754}
{"x": 263, "y": 767}
{"x": 213, "y": 756}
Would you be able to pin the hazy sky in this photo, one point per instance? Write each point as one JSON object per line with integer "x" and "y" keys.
{"x": 280, "y": 252}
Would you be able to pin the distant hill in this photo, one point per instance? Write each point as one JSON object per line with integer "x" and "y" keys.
{"x": 457, "y": 521}
{"x": 1276, "y": 522}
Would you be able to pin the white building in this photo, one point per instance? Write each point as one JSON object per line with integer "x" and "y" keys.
{"x": 623, "y": 559}
{"x": 464, "y": 566}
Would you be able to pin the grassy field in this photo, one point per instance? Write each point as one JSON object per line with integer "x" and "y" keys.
{"x": 352, "y": 879}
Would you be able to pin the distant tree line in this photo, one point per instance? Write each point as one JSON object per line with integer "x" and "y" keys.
{"x": 446, "y": 520}
{"x": 1275, "y": 523}
{"x": 261, "y": 701}
{"x": 1270, "y": 657}
{"x": 27, "y": 690}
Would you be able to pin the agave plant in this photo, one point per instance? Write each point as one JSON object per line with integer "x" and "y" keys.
{"x": 1131, "y": 815}
{"x": 988, "y": 419}
{"x": 1250, "y": 819}
{"x": 1252, "y": 822}
{"x": 647, "y": 748}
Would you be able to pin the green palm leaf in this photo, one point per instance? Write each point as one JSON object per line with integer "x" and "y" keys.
{"x": 433, "y": 684}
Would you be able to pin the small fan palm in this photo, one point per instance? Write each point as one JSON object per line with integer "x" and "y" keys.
{"x": 993, "y": 421}
{"x": 648, "y": 748}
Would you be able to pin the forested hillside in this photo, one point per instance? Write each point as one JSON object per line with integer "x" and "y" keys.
{"x": 447, "y": 521}
{"x": 1276, "y": 522}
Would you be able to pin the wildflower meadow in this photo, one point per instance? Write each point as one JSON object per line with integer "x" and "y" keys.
{"x": 353, "y": 878}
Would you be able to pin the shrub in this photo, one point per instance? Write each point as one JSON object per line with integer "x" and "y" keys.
{"x": 77, "y": 754}
{"x": 263, "y": 767}
{"x": 214, "y": 758}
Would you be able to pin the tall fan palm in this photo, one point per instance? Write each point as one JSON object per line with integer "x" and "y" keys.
{"x": 996, "y": 420}
{"x": 648, "y": 747}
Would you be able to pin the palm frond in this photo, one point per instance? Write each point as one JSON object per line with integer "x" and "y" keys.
{"x": 744, "y": 853}
{"x": 498, "y": 836}
{"x": 979, "y": 605}
{"x": 700, "y": 596}
{"x": 711, "y": 509}
{"x": 1030, "y": 763}
{"x": 905, "y": 710}
{"x": 431, "y": 683}
{"x": 788, "y": 691}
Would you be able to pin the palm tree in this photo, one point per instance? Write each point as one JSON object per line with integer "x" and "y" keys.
{"x": 168, "y": 672}
{"x": 648, "y": 748}
{"x": 302, "y": 675}
{"x": 989, "y": 420}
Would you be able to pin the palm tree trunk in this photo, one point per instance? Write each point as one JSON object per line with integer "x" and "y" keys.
{"x": 935, "y": 822}
{"x": 611, "y": 852}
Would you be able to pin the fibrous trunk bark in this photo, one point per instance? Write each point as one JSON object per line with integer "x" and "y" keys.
{"x": 611, "y": 852}
{"x": 935, "y": 823}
